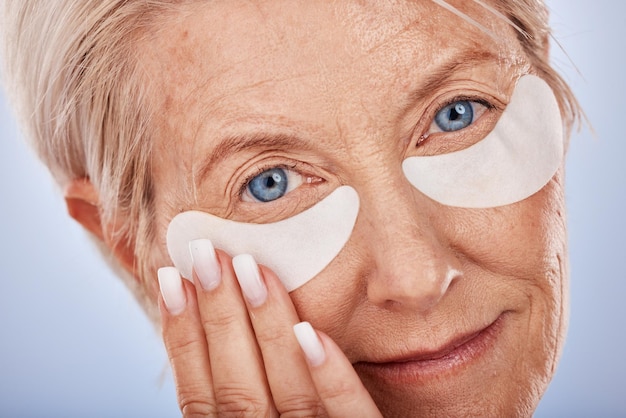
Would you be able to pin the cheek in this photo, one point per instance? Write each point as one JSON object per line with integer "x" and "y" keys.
{"x": 524, "y": 240}
{"x": 522, "y": 249}
{"x": 331, "y": 300}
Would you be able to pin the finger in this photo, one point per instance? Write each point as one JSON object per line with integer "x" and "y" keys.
{"x": 338, "y": 385}
{"x": 273, "y": 315}
{"x": 239, "y": 381}
{"x": 186, "y": 345}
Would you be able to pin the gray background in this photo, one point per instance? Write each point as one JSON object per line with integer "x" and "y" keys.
{"x": 73, "y": 343}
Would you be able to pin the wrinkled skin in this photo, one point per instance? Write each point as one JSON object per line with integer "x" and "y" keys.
{"x": 357, "y": 84}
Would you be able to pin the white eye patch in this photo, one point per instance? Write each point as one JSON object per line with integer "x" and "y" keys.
{"x": 512, "y": 163}
{"x": 296, "y": 248}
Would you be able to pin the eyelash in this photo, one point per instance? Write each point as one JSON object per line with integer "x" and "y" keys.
{"x": 468, "y": 98}
{"x": 472, "y": 99}
{"x": 295, "y": 167}
{"x": 442, "y": 104}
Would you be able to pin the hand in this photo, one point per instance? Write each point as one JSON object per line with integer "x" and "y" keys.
{"x": 233, "y": 350}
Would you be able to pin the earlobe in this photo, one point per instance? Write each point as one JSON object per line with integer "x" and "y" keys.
{"x": 82, "y": 201}
{"x": 83, "y": 205}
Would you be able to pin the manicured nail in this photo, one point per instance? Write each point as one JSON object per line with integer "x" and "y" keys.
{"x": 310, "y": 343}
{"x": 249, "y": 278}
{"x": 205, "y": 263}
{"x": 172, "y": 289}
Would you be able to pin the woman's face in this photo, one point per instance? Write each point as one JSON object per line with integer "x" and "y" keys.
{"x": 340, "y": 93}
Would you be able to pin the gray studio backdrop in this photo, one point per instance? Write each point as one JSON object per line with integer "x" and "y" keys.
{"x": 73, "y": 342}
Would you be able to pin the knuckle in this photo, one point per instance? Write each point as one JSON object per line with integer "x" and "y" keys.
{"x": 298, "y": 406}
{"x": 271, "y": 336}
{"x": 195, "y": 406}
{"x": 234, "y": 401}
{"x": 340, "y": 391}
{"x": 182, "y": 348}
{"x": 221, "y": 321}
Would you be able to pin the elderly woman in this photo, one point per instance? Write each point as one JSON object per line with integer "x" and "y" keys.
{"x": 395, "y": 169}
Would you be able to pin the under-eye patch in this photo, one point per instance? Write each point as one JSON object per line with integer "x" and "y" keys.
{"x": 296, "y": 248}
{"x": 512, "y": 163}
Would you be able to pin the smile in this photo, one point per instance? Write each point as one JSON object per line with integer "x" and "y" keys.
{"x": 451, "y": 358}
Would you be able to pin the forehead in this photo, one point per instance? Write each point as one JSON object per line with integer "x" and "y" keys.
{"x": 218, "y": 47}
{"x": 326, "y": 68}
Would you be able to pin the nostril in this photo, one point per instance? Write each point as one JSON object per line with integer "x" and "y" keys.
{"x": 407, "y": 289}
{"x": 451, "y": 277}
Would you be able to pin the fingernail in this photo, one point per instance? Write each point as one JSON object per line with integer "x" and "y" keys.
{"x": 172, "y": 289}
{"x": 205, "y": 263}
{"x": 310, "y": 343}
{"x": 249, "y": 278}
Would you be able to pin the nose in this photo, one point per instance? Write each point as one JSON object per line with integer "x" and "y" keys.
{"x": 411, "y": 265}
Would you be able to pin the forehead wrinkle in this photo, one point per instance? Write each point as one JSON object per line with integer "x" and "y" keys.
{"x": 180, "y": 72}
{"x": 236, "y": 66}
{"x": 426, "y": 18}
{"x": 270, "y": 37}
{"x": 466, "y": 55}
{"x": 255, "y": 85}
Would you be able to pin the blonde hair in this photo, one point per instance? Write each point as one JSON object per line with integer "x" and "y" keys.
{"x": 73, "y": 77}
{"x": 73, "y": 74}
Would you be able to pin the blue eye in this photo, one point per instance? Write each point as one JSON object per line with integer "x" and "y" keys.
{"x": 270, "y": 185}
{"x": 455, "y": 116}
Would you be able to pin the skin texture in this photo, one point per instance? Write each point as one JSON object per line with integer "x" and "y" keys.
{"x": 341, "y": 93}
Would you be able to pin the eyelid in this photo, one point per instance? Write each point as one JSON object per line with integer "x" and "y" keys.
{"x": 429, "y": 139}
{"x": 439, "y": 105}
{"x": 295, "y": 167}
{"x": 474, "y": 98}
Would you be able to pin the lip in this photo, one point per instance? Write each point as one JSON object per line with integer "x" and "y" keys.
{"x": 455, "y": 356}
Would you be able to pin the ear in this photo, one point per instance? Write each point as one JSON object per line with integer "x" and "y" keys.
{"x": 83, "y": 204}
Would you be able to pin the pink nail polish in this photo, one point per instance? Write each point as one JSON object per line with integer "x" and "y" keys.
{"x": 249, "y": 278}
{"x": 205, "y": 263}
{"x": 172, "y": 289}
{"x": 310, "y": 343}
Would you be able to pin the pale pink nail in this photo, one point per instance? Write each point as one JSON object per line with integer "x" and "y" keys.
{"x": 310, "y": 343}
{"x": 205, "y": 263}
{"x": 172, "y": 289}
{"x": 249, "y": 278}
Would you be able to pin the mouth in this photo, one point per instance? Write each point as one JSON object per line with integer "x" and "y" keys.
{"x": 452, "y": 357}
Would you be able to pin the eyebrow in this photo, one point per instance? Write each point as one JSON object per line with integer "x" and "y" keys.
{"x": 233, "y": 144}
{"x": 465, "y": 61}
